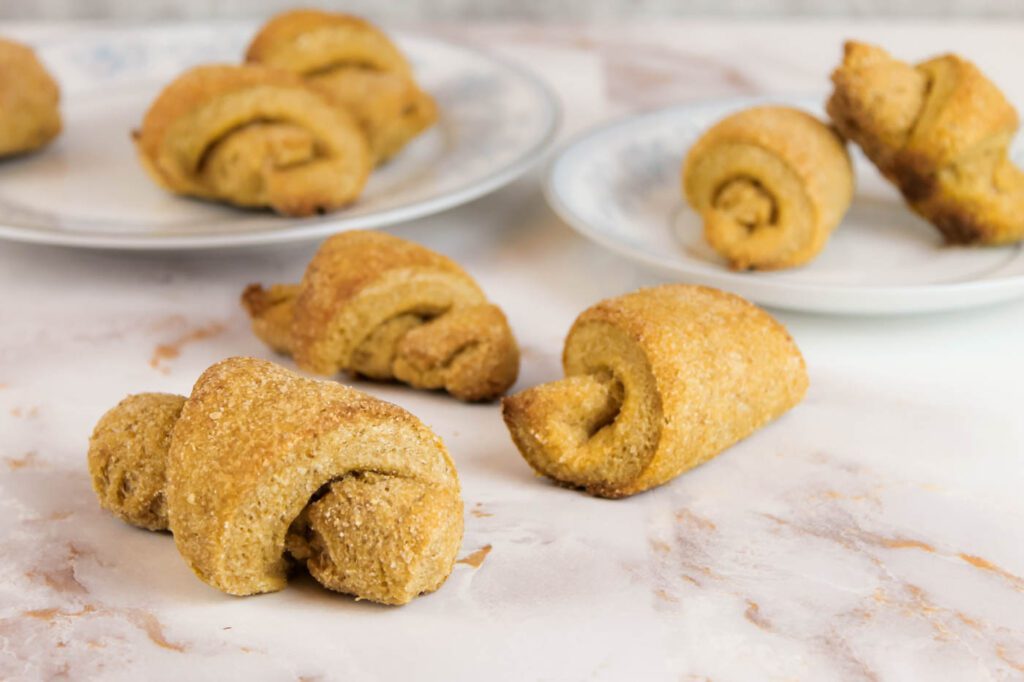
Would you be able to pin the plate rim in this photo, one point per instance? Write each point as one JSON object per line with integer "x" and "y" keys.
{"x": 929, "y": 297}
{"x": 327, "y": 225}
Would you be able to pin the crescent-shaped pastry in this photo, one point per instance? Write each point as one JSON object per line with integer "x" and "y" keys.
{"x": 771, "y": 184}
{"x": 386, "y": 308}
{"x": 260, "y": 469}
{"x": 656, "y": 382}
{"x": 355, "y": 64}
{"x": 29, "y": 98}
{"x": 253, "y": 136}
{"x": 939, "y": 131}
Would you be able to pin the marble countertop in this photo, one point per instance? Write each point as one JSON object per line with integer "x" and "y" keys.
{"x": 874, "y": 533}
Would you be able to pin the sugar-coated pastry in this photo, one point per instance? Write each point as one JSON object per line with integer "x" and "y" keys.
{"x": 656, "y": 382}
{"x": 354, "y": 63}
{"x": 128, "y": 457}
{"x": 386, "y": 308}
{"x": 29, "y": 99}
{"x": 939, "y": 131}
{"x": 253, "y": 136}
{"x": 771, "y": 183}
{"x": 260, "y": 469}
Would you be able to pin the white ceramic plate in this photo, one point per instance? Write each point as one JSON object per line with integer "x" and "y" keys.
{"x": 620, "y": 186}
{"x": 88, "y": 190}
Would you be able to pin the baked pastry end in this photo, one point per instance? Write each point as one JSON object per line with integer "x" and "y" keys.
{"x": 29, "y": 101}
{"x": 656, "y": 382}
{"x": 940, "y": 131}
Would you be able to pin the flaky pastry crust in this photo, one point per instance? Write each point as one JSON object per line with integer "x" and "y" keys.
{"x": 355, "y": 64}
{"x": 261, "y": 469}
{"x": 29, "y": 99}
{"x": 386, "y": 308}
{"x": 656, "y": 382}
{"x": 771, "y": 184}
{"x": 939, "y": 131}
{"x": 256, "y": 137}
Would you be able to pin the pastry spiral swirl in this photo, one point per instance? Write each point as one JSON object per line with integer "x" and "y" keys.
{"x": 29, "y": 117}
{"x": 939, "y": 131}
{"x": 386, "y": 308}
{"x": 771, "y": 184}
{"x": 253, "y": 136}
{"x": 261, "y": 468}
{"x": 356, "y": 65}
{"x": 657, "y": 382}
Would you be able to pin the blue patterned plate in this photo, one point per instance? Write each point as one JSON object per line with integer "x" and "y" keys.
{"x": 88, "y": 190}
{"x": 620, "y": 186}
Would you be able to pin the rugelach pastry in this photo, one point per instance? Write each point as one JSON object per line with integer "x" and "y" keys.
{"x": 939, "y": 131}
{"x": 261, "y": 470}
{"x": 771, "y": 184}
{"x": 386, "y": 308}
{"x": 29, "y": 99}
{"x": 254, "y": 137}
{"x": 356, "y": 65}
{"x": 656, "y": 382}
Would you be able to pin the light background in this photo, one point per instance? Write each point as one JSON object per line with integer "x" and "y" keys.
{"x": 534, "y": 10}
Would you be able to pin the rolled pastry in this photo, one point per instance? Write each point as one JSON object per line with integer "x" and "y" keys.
{"x": 29, "y": 98}
{"x": 355, "y": 64}
{"x": 656, "y": 382}
{"x": 939, "y": 131}
{"x": 386, "y": 308}
{"x": 771, "y": 184}
{"x": 260, "y": 469}
{"x": 256, "y": 137}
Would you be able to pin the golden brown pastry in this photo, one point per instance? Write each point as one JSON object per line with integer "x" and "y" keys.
{"x": 771, "y": 184}
{"x": 128, "y": 457}
{"x": 253, "y": 136}
{"x": 355, "y": 64}
{"x": 657, "y": 382}
{"x": 29, "y": 98}
{"x": 385, "y": 308}
{"x": 939, "y": 131}
{"x": 261, "y": 468}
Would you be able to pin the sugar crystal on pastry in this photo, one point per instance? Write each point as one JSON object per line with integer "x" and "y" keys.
{"x": 386, "y": 308}
{"x": 940, "y": 132}
{"x": 254, "y": 137}
{"x": 263, "y": 469}
{"x": 656, "y": 382}
{"x": 771, "y": 183}
{"x": 356, "y": 65}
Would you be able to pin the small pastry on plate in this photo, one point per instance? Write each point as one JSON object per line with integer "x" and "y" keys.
{"x": 656, "y": 382}
{"x": 386, "y": 308}
{"x": 29, "y": 99}
{"x": 939, "y": 131}
{"x": 261, "y": 469}
{"x": 255, "y": 137}
{"x": 355, "y": 64}
{"x": 771, "y": 184}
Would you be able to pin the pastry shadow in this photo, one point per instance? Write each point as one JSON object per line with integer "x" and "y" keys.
{"x": 84, "y": 555}
{"x": 303, "y": 590}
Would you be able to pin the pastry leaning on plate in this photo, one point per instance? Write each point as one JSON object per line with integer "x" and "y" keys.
{"x": 386, "y": 308}
{"x": 656, "y": 382}
{"x": 939, "y": 131}
{"x": 771, "y": 183}
{"x": 256, "y": 137}
{"x": 356, "y": 65}
{"x": 29, "y": 98}
{"x": 261, "y": 469}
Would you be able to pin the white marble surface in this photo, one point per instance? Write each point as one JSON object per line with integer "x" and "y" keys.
{"x": 874, "y": 533}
